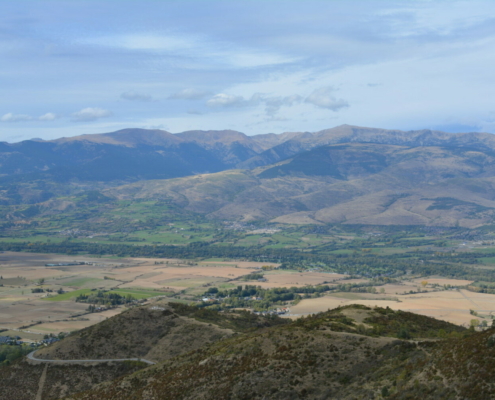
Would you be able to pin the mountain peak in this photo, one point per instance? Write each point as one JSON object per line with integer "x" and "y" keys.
{"x": 129, "y": 137}
{"x": 226, "y": 136}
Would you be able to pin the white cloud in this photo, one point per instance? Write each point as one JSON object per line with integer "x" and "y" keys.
{"x": 323, "y": 98}
{"x": 251, "y": 59}
{"x": 135, "y": 96}
{"x": 10, "y": 117}
{"x": 226, "y": 100}
{"x": 273, "y": 104}
{"x": 189, "y": 94}
{"x": 90, "y": 114}
{"x": 48, "y": 117}
{"x": 189, "y": 46}
{"x": 144, "y": 41}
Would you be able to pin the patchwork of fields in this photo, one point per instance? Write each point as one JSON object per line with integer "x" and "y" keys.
{"x": 38, "y": 313}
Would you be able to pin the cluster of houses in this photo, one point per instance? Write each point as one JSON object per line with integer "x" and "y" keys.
{"x": 213, "y": 299}
{"x": 278, "y": 311}
{"x": 65, "y": 264}
{"x": 11, "y": 340}
{"x": 16, "y": 341}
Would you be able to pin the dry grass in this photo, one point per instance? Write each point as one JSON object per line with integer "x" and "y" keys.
{"x": 452, "y": 306}
{"x": 19, "y": 307}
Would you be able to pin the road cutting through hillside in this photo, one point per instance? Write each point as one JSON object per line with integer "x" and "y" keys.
{"x": 31, "y": 357}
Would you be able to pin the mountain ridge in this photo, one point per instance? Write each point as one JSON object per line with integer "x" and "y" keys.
{"x": 346, "y": 174}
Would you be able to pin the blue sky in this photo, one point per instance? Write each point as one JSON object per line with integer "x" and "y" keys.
{"x": 74, "y": 67}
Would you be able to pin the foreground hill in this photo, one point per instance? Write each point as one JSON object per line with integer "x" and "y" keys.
{"x": 353, "y": 183}
{"x": 155, "y": 333}
{"x": 22, "y": 380}
{"x": 348, "y": 352}
{"x": 318, "y": 358}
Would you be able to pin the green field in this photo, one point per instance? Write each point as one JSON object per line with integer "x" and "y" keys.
{"x": 140, "y": 293}
{"x": 67, "y": 296}
{"x": 136, "y": 293}
{"x": 78, "y": 282}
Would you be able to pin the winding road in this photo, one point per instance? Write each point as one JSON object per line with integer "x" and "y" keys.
{"x": 31, "y": 357}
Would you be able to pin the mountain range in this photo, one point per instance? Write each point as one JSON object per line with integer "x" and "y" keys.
{"x": 346, "y": 174}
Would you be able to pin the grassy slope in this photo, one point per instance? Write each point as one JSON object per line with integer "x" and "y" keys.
{"x": 21, "y": 380}
{"x": 313, "y": 358}
{"x": 156, "y": 334}
{"x": 395, "y": 188}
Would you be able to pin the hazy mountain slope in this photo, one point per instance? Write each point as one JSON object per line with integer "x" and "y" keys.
{"x": 128, "y": 137}
{"x": 87, "y": 161}
{"x": 345, "y": 183}
{"x": 354, "y": 134}
{"x": 126, "y": 155}
{"x": 134, "y": 154}
{"x": 269, "y": 140}
{"x": 367, "y": 176}
{"x": 201, "y": 193}
{"x": 230, "y": 146}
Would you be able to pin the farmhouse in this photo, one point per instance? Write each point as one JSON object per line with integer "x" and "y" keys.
{"x": 5, "y": 339}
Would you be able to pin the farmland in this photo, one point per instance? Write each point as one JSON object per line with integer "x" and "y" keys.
{"x": 48, "y": 311}
{"x": 164, "y": 252}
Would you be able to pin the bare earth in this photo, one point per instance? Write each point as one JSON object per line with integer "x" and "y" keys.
{"x": 19, "y": 308}
{"x": 451, "y": 305}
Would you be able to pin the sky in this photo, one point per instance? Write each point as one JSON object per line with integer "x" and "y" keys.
{"x": 76, "y": 67}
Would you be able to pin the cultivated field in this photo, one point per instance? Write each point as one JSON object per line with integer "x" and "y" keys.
{"x": 180, "y": 280}
{"x": 31, "y": 314}
{"x": 450, "y": 305}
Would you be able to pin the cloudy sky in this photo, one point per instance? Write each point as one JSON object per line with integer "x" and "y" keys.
{"x": 74, "y": 67}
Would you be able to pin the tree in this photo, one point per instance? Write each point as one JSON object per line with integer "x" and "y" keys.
{"x": 474, "y": 323}
{"x": 424, "y": 283}
{"x": 404, "y": 333}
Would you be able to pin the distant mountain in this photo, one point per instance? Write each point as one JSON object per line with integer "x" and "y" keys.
{"x": 126, "y": 155}
{"x": 303, "y": 141}
{"x": 231, "y": 147}
{"x": 129, "y": 138}
{"x": 346, "y": 174}
{"x": 353, "y": 183}
{"x": 137, "y": 154}
{"x": 91, "y": 161}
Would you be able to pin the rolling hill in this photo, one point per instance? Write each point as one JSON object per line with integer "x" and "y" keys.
{"x": 309, "y": 360}
{"x": 352, "y": 183}
{"x": 347, "y": 353}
